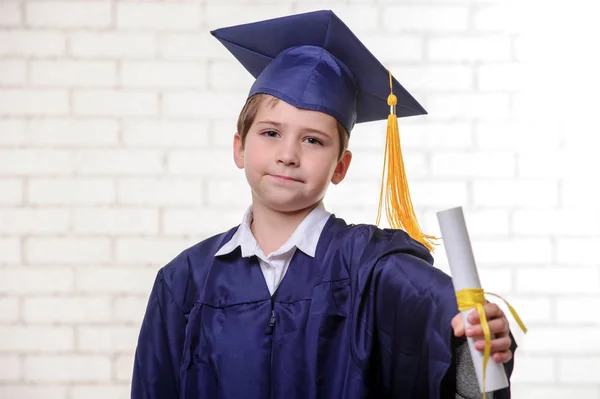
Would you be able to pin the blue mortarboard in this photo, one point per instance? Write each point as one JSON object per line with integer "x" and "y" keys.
{"x": 314, "y": 61}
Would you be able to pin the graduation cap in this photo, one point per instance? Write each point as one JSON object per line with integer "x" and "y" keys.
{"x": 313, "y": 61}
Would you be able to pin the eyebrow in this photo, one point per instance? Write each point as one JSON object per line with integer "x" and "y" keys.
{"x": 304, "y": 129}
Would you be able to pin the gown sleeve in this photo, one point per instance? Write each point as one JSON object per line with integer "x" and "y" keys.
{"x": 160, "y": 344}
{"x": 417, "y": 350}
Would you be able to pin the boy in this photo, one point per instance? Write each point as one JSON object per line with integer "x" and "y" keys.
{"x": 295, "y": 303}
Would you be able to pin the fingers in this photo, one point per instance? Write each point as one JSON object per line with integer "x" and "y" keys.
{"x": 498, "y": 327}
{"x": 492, "y": 311}
{"x": 501, "y": 344}
{"x": 502, "y": 357}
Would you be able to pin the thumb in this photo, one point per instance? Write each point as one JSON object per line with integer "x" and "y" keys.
{"x": 458, "y": 326}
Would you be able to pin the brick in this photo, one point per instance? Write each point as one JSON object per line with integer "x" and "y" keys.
{"x": 576, "y": 340}
{"x": 556, "y": 222}
{"x": 120, "y": 162}
{"x": 66, "y": 14}
{"x": 119, "y": 45}
{"x": 112, "y": 280}
{"x": 19, "y": 102}
{"x": 503, "y": 18}
{"x": 408, "y": 47}
{"x": 32, "y": 43}
{"x": 463, "y": 106}
{"x": 576, "y": 251}
{"x": 11, "y": 368}
{"x": 27, "y": 221}
{"x": 438, "y": 193}
{"x": 71, "y": 309}
{"x": 160, "y": 192}
{"x": 124, "y": 367}
{"x": 480, "y": 48}
{"x": 433, "y": 135}
{"x": 79, "y": 191}
{"x": 30, "y": 280}
{"x": 36, "y": 339}
{"x": 68, "y": 250}
{"x": 534, "y": 369}
{"x": 11, "y": 192}
{"x": 223, "y": 130}
{"x": 200, "y": 162}
{"x": 531, "y": 136}
{"x": 435, "y": 77}
{"x": 10, "y": 13}
{"x": 131, "y": 309}
{"x": 67, "y": 368}
{"x": 48, "y": 132}
{"x": 101, "y": 392}
{"x": 33, "y": 391}
{"x": 163, "y": 74}
{"x": 522, "y": 251}
{"x": 216, "y": 13}
{"x": 107, "y": 339}
{"x": 532, "y": 103}
{"x": 357, "y": 193}
{"x": 233, "y": 192}
{"x": 115, "y": 103}
{"x": 559, "y": 164}
{"x": 360, "y": 18}
{"x": 192, "y": 46}
{"x": 481, "y": 223}
{"x": 115, "y": 221}
{"x": 532, "y": 309}
{"x": 159, "y": 16}
{"x": 73, "y": 73}
{"x": 36, "y": 162}
{"x": 473, "y": 164}
{"x": 9, "y": 309}
{"x": 524, "y": 193}
{"x": 503, "y": 77}
{"x": 153, "y": 251}
{"x": 498, "y": 281}
{"x": 576, "y": 136}
{"x": 426, "y": 18}
{"x": 578, "y": 193}
{"x": 12, "y": 72}
{"x": 580, "y": 370}
{"x": 200, "y": 222}
{"x": 162, "y": 133}
{"x": 370, "y": 164}
{"x": 10, "y": 250}
{"x": 13, "y": 132}
{"x": 558, "y": 280}
{"x": 575, "y": 309}
{"x": 201, "y": 104}
{"x": 227, "y": 75}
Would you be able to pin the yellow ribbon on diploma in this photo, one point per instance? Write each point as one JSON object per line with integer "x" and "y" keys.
{"x": 474, "y": 298}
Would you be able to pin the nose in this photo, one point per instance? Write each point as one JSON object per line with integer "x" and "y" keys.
{"x": 288, "y": 154}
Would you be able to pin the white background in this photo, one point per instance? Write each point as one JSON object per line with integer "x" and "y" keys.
{"x": 116, "y": 121}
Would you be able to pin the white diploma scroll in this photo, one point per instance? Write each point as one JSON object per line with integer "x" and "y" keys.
{"x": 464, "y": 275}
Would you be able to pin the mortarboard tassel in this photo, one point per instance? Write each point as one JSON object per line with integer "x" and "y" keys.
{"x": 399, "y": 210}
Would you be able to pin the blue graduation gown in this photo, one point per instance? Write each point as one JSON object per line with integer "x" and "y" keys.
{"x": 367, "y": 317}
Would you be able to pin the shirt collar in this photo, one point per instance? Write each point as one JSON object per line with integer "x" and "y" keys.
{"x": 305, "y": 237}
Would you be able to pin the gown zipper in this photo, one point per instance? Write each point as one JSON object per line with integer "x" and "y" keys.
{"x": 271, "y": 329}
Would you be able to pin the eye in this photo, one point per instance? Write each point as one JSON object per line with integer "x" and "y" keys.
{"x": 270, "y": 133}
{"x": 312, "y": 140}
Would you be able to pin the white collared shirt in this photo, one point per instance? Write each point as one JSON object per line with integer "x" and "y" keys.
{"x": 275, "y": 265}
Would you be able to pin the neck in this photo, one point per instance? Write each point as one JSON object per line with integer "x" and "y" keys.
{"x": 272, "y": 228}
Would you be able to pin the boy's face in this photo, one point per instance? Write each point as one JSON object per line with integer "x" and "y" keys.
{"x": 290, "y": 156}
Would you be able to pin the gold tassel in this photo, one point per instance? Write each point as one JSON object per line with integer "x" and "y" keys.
{"x": 399, "y": 210}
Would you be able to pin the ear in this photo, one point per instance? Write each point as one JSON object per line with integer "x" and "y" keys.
{"x": 238, "y": 151}
{"x": 342, "y": 167}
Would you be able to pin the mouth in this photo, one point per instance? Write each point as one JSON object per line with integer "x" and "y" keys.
{"x": 285, "y": 178}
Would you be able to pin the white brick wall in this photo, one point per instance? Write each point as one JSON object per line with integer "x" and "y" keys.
{"x": 113, "y": 115}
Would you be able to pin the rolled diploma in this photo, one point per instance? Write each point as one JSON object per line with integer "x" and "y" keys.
{"x": 464, "y": 275}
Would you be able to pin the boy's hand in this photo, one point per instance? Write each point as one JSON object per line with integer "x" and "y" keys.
{"x": 500, "y": 348}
